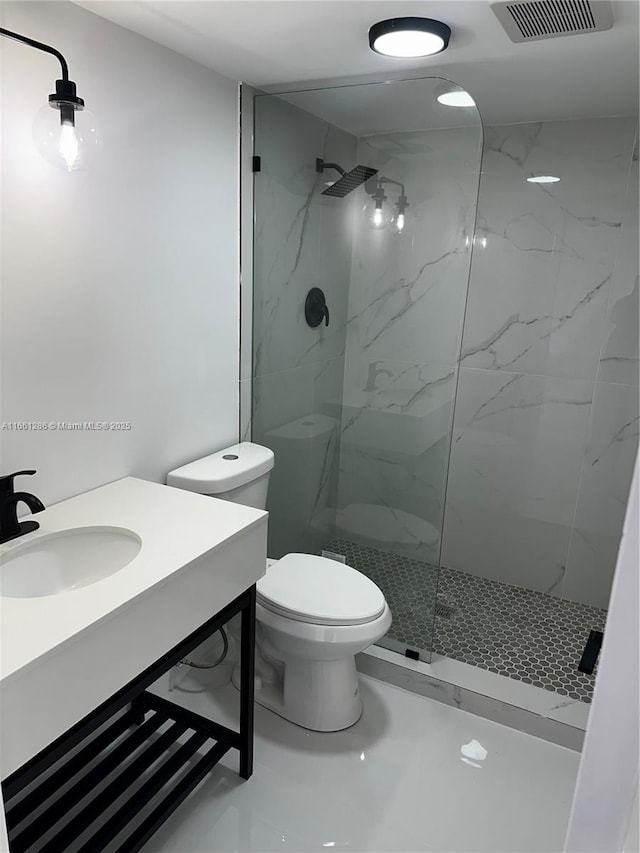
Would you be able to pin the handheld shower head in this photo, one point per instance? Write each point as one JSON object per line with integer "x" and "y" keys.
{"x": 349, "y": 180}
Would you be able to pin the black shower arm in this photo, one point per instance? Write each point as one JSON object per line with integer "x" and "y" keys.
{"x": 321, "y": 166}
{"x": 39, "y": 46}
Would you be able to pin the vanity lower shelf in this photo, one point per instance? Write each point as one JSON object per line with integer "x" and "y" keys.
{"x": 114, "y": 778}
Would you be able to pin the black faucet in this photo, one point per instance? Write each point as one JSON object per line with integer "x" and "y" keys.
{"x": 10, "y": 527}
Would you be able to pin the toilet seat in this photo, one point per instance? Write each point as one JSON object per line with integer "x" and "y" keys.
{"x": 317, "y": 590}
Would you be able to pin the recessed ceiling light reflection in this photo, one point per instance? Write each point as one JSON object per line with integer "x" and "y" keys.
{"x": 474, "y": 749}
{"x": 543, "y": 179}
{"x": 456, "y": 98}
{"x": 473, "y": 753}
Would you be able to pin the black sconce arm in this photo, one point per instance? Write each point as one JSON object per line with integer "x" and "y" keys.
{"x": 65, "y": 98}
{"x": 384, "y": 180}
{"x": 374, "y": 186}
{"x": 66, "y": 101}
{"x": 39, "y": 46}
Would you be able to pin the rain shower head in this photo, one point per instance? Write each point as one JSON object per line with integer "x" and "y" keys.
{"x": 349, "y": 180}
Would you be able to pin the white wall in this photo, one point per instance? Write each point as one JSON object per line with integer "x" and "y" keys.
{"x": 120, "y": 291}
{"x": 605, "y": 804}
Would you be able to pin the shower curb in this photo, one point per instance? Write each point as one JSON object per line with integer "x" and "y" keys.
{"x": 541, "y": 713}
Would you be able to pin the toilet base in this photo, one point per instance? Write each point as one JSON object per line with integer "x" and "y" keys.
{"x": 322, "y": 696}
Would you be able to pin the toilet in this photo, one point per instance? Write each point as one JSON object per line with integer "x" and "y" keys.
{"x": 313, "y": 614}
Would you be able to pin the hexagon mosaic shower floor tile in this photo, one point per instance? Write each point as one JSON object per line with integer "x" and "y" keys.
{"x": 526, "y": 635}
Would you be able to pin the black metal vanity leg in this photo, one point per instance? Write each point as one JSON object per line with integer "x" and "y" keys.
{"x": 137, "y": 711}
{"x": 247, "y": 668}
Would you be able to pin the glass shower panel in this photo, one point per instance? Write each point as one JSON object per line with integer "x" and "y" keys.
{"x": 302, "y": 240}
{"x": 359, "y": 412}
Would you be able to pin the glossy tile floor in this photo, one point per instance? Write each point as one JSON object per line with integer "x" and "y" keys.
{"x": 526, "y": 635}
{"x": 411, "y": 775}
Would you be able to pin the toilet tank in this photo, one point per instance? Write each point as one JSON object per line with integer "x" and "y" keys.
{"x": 239, "y": 473}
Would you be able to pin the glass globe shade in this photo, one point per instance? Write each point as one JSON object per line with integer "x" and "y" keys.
{"x": 400, "y": 222}
{"x": 376, "y": 214}
{"x": 68, "y": 146}
{"x": 401, "y": 217}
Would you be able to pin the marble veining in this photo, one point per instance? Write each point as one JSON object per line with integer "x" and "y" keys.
{"x": 522, "y": 706}
{"x": 488, "y": 345}
{"x": 619, "y": 361}
{"x": 555, "y": 244}
{"x": 405, "y": 289}
{"x": 404, "y": 327}
{"x": 602, "y": 497}
{"x": 552, "y": 307}
{"x": 523, "y": 142}
{"x": 539, "y": 365}
{"x": 302, "y": 239}
{"x": 521, "y": 403}
{"x": 555, "y": 587}
{"x": 627, "y": 432}
{"x": 619, "y": 356}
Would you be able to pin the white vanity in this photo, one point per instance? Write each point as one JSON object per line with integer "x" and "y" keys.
{"x": 115, "y": 587}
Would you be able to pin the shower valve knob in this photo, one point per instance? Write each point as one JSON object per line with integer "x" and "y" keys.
{"x": 315, "y": 308}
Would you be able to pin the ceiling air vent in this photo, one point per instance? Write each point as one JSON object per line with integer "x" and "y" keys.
{"x": 532, "y": 20}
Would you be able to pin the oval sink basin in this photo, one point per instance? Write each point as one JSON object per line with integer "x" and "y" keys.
{"x": 70, "y": 559}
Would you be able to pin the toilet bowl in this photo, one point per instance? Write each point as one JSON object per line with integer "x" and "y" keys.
{"x": 313, "y": 614}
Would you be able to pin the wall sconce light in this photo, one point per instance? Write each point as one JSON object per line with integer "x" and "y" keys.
{"x": 376, "y": 216}
{"x": 398, "y": 221}
{"x": 374, "y": 209}
{"x": 64, "y": 132}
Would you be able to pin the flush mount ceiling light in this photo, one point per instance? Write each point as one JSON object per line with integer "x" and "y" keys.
{"x": 409, "y": 37}
{"x": 543, "y": 179}
{"x": 456, "y": 98}
{"x": 60, "y": 138}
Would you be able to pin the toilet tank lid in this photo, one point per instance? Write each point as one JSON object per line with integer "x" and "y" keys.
{"x": 227, "y": 469}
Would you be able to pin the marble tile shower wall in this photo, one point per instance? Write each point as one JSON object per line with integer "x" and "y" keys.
{"x": 302, "y": 240}
{"x": 546, "y": 422}
{"x": 406, "y": 310}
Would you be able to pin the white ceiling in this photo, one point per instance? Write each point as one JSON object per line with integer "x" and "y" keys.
{"x": 275, "y": 43}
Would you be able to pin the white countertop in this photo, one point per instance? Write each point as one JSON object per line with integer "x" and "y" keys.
{"x": 176, "y": 528}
